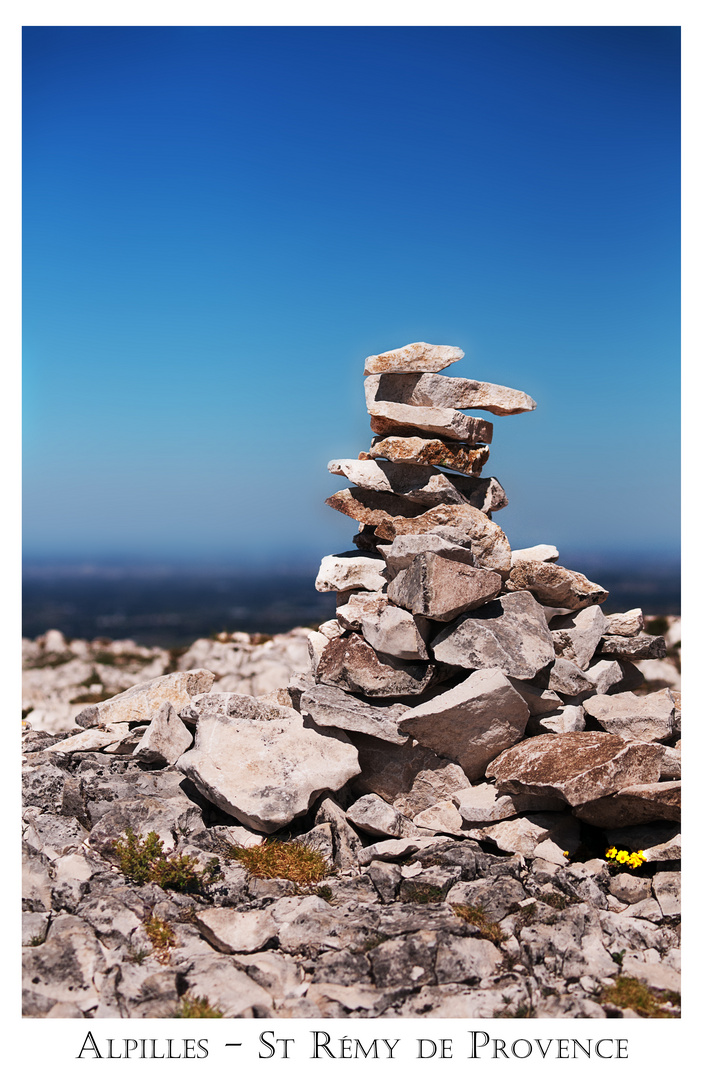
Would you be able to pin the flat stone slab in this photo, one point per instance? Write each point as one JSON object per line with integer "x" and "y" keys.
{"x": 350, "y": 570}
{"x": 389, "y": 418}
{"x": 143, "y": 701}
{"x": 443, "y": 392}
{"x": 236, "y": 931}
{"x": 351, "y": 664}
{"x": 521, "y": 835}
{"x": 165, "y": 739}
{"x": 646, "y": 717}
{"x": 266, "y": 765}
{"x": 538, "y": 553}
{"x": 411, "y": 777}
{"x": 639, "y": 647}
{"x": 417, "y": 356}
{"x": 452, "y": 544}
{"x": 421, "y": 483}
{"x": 482, "y": 804}
{"x": 489, "y": 544}
{"x": 510, "y": 633}
{"x": 392, "y": 850}
{"x": 634, "y": 805}
{"x": 377, "y": 817}
{"x": 576, "y": 637}
{"x": 472, "y": 722}
{"x": 329, "y": 706}
{"x": 440, "y": 588}
{"x": 449, "y": 454}
{"x": 626, "y": 623}
{"x": 554, "y": 586}
{"x": 577, "y": 766}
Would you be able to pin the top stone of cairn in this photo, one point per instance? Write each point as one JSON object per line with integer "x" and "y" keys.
{"x": 418, "y": 356}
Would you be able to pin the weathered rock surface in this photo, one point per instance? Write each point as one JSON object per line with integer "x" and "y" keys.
{"x": 418, "y": 356}
{"x": 626, "y": 623}
{"x": 577, "y": 766}
{"x": 350, "y": 571}
{"x": 450, "y": 544}
{"x": 389, "y": 418}
{"x": 421, "y": 483}
{"x": 329, "y": 706}
{"x": 165, "y": 739}
{"x": 471, "y": 723}
{"x": 351, "y": 664}
{"x": 429, "y": 390}
{"x": 265, "y": 766}
{"x": 386, "y": 627}
{"x": 554, "y": 585}
{"x": 440, "y": 588}
{"x": 510, "y": 633}
{"x": 576, "y": 637}
{"x": 445, "y": 453}
{"x": 634, "y": 805}
{"x": 647, "y": 718}
{"x": 538, "y": 553}
{"x": 639, "y": 647}
{"x": 142, "y": 702}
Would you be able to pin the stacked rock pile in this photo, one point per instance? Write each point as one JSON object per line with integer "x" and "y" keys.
{"x": 467, "y": 753}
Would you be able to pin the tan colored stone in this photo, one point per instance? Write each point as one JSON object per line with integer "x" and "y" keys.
{"x": 350, "y": 570}
{"x": 418, "y": 356}
{"x": 351, "y": 664}
{"x": 440, "y": 588}
{"x": 643, "y": 717}
{"x": 577, "y": 766}
{"x": 626, "y": 623}
{"x": 412, "y": 777}
{"x": 389, "y": 418}
{"x": 440, "y": 391}
{"x": 387, "y": 628}
{"x": 450, "y": 455}
{"x": 142, "y": 702}
{"x": 236, "y": 931}
{"x": 634, "y": 805}
{"x": 554, "y": 586}
{"x": 576, "y": 637}
{"x": 421, "y": 483}
{"x": 328, "y": 706}
{"x": 509, "y": 633}
{"x": 538, "y": 553}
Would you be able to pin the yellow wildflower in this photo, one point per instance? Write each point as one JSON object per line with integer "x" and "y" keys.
{"x": 622, "y": 856}
{"x": 611, "y": 853}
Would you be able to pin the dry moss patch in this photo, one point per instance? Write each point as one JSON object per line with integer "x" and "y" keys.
{"x": 290, "y": 859}
{"x": 197, "y": 1008}
{"x": 629, "y": 993}
{"x": 477, "y": 917}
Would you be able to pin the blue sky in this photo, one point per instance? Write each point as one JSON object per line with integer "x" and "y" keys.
{"x": 220, "y": 223}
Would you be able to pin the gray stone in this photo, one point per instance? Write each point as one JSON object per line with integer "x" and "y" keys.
{"x": 521, "y": 835}
{"x": 667, "y": 889}
{"x": 629, "y": 888}
{"x": 614, "y": 675}
{"x": 671, "y": 764}
{"x": 509, "y": 633}
{"x": 377, "y": 817}
{"x": 68, "y": 966}
{"x": 346, "y": 841}
{"x": 440, "y": 391}
{"x": 626, "y": 623}
{"x": 388, "y": 514}
{"x": 538, "y": 700}
{"x": 443, "y": 817}
{"x": 350, "y": 571}
{"x": 227, "y": 988}
{"x": 497, "y": 896}
{"x": 389, "y": 418}
{"x": 165, "y": 739}
{"x": 554, "y": 585}
{"x": 352, "y": 664}
{"x": 266, "y": 766}
{"x": 439, "y": 588}
{"x": 236, "y": 931}
{"x": 329, "y": 706}
{"x": 538, "y": 553}
{"x": 566, "y": 678}
{"x": 640, "y": 647}
{"x": 412, "y": 777}
{"x": 576, "y": 636}
{"x": 634, "y": 805}
{"x": 482, "y": 803}
{"x": 472, "y": 722}
{"x": 647, "y": 718}
{"x": 568, "y": 718}
{"x": 386, "y": 878}
{"x": 421, "y": 483}
{"x": 578, "y": 766}
{"x": 387, "y": 628}
{"x": 418, "y": 356}
{"x": 451, "y": 455}
{"x": 142, "y": 702}
{"x": 466, "y": 960}
{"x": 392, "y": 850}
{"x": 400, "y": 554}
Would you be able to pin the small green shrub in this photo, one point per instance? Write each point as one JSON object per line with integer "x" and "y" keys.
{"x": 629, "y": 993}
{"x": 477, "y": 917}
{"x": 197, "y": 1008}
{"x": 144, "y": 860}
{"x": 161, "y": 936}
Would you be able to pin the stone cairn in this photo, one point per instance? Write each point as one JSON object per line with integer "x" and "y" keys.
{"x": 448, "y": 647}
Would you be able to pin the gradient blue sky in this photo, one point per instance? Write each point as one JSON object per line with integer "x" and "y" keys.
{"x": 220, "y": 223}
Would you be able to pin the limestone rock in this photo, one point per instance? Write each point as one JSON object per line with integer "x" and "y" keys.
{"x": 648, "y": 717}
{"x": 568, "y": 679}
{"x": 538, "y": 700}
{"x": 350, "y": 571}
{"x": 165, "y": 739}
{"x": 236, "y": 931}
{"x": 553, "y": 585}
{"x": 509, "y": 633}
{"x": 568, "y": 718}
{"x": 626, "y": 623}
{"x": 450, "y": 544}
{"x": 419, "y": 356}
{"x": 576, "y": 636}
{"x": 639, "y": 647}
{"x": 421, "y": 483}
{"x": 446, "y": 453}
{"x": 671, "y": 764}
{"x": 614, "y": 675}
{"x": 667, "y": 889}
{"x": 265, "y": 766}
{"x": 521, "y": 835}
{"x": 578, "y": 766}
{"x": 440, "y": 588}
{"x": 387, "y": 628}
{"x": 482, "y": 803}
{"x": 389, "y": 418}
{"x": 143, "y": 701}
{"x": 329, "y": 706}
{"x": 472, "y": 722}
{"x": 377, "y": 817}
{"x": 443, "y": 817}
{"x": 634, "y": 805}
{"x": 439, "y": 391}
{"x": 412, "y": 778}
{"x": 351, "y": 664}
{"x": 538, "y": 553}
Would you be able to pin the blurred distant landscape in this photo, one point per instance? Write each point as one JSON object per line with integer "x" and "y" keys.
{"x": 171, "y": 605}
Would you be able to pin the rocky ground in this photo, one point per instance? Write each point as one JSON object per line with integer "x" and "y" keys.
{"x": 412, "y": 913}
